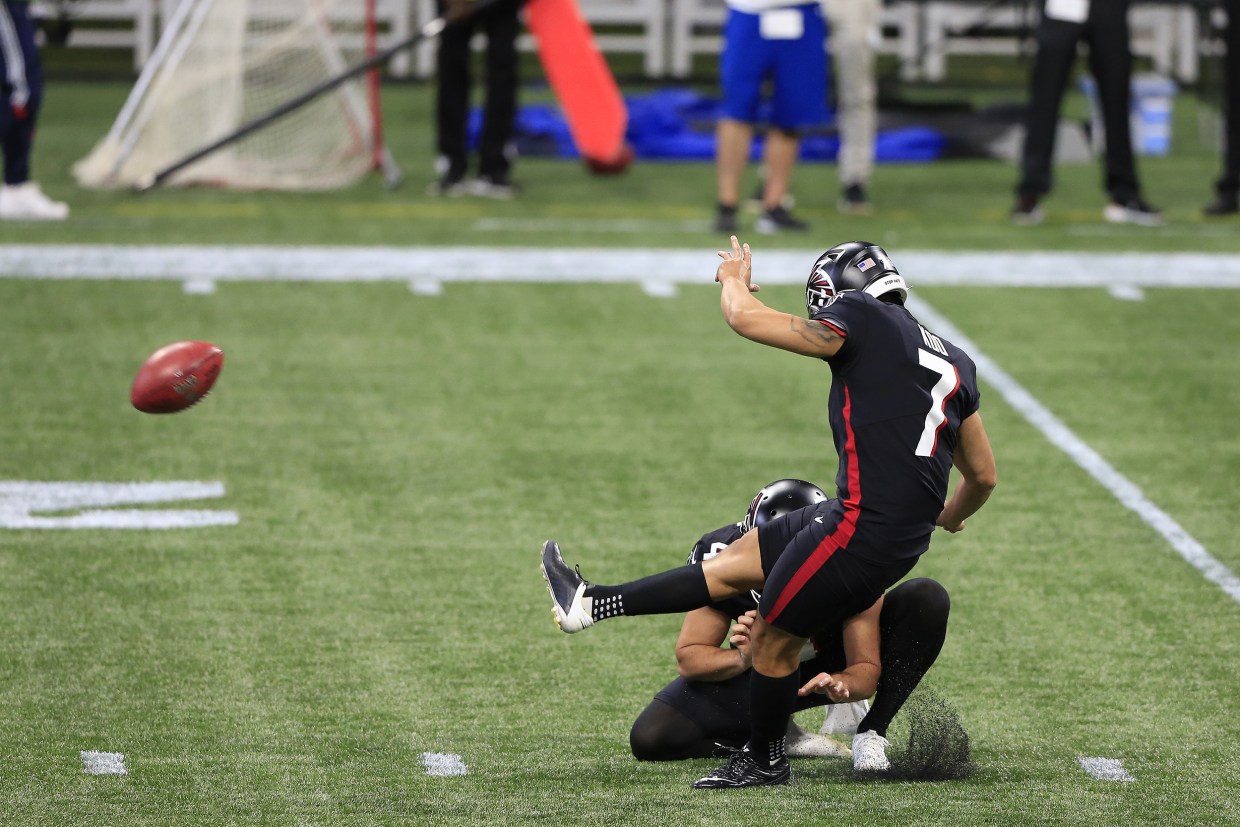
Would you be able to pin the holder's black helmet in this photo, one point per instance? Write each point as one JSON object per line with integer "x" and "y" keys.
{"x": 779, "y": 498}
{"x": 853, "y": 265}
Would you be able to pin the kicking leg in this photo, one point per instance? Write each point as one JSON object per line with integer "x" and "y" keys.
{"x": 577, "y": 603}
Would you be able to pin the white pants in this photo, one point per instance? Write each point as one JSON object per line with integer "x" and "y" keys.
{"x": 853, "y": 40}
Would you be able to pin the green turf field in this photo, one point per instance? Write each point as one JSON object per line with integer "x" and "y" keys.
{"x": 397, "y": 460}
{"x": 952, "y": 204}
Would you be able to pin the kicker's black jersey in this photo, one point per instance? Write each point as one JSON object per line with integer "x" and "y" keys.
{"x": 898, "y": 396}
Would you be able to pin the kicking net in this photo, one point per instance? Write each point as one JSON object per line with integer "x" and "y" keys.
{"x": 221, "y": 64}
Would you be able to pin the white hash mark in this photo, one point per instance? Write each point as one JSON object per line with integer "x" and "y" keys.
{"x": 1105, "y": 769}
{"x": 444, "y": 763}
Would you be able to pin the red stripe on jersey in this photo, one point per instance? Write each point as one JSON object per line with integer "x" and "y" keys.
{"x": 843, "y": 533}
{"x": 841, "y": 331}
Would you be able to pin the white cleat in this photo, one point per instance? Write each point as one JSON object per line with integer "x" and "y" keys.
{"x": 869, "y": 751}
{"x": 26, "y": 202}
{"x": 569, "y": 606}
{"x": 843, "y": 719}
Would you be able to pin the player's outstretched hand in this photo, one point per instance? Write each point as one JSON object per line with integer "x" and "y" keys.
{"x": 737, "y": 264}
{"x": 825, "y": 684}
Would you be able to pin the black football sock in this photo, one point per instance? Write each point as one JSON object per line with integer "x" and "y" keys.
{"x": 913, "y": 626}
{"x": 670, "y": 592}
{"x": 770, "y": 706}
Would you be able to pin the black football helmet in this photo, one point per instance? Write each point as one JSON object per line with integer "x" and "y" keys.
{"x": 779, "y": 498}
{"x": 853, "y": 265}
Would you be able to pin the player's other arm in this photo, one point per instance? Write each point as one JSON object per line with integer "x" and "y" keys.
{"x": 976, "y": 463}
{"x": 752, "y": 319}
{"x": 859, "y": 680}
{"x": 698, "y": 653}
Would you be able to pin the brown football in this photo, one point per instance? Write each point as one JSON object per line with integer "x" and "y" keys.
{"x": 176, "y": 376}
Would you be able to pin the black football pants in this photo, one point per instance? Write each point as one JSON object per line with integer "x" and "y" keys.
{"x": 1110, "y": 62}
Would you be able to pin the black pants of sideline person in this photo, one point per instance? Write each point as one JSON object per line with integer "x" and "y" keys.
{"x": 500, "y": 24}
{"x": 1110, "y": 61}
{"x": 1228, "y": 185}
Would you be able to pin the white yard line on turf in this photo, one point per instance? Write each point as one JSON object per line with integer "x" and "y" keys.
{"x": 424, "y": 265}
{"x": 1063, "y": 438}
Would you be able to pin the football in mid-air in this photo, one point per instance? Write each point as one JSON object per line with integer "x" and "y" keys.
{"x": 176, "y": 376}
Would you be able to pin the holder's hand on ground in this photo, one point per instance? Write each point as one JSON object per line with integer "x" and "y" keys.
{"x": 825, "y": 684}
{"x": 737, "y": 264}
{"x": 739, "y": 637}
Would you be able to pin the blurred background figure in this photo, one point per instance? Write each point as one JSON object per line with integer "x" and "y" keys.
{"x": 1227, "y": 188}
{"x": 22, "y": 74}
{"x": 1103, "y": 25}
{"x": 782, "y": 41}
{"x": 500, "y": 23}
{"x": 854, "y": 34}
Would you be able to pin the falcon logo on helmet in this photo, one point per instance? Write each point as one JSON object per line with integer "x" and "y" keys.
{"x": 853, "y": 265}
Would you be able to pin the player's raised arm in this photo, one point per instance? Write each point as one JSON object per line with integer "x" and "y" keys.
{"x": 752, "y": 319}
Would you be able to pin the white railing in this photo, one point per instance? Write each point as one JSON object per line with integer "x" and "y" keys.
{"x": 669, "y": 34}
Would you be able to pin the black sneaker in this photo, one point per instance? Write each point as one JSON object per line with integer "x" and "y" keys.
{"x": 1133, "y": 211}
{"x": 569, "y": 608}
{"x": 1222, "y": 205}
{"x": 778, "y": 220}
{"x": 743, "y": 771}
{"x": 499, "y": 187}
{"x": 725, "y": 219}
{"x": 1027, "y": 213}
{"x": 854, "y": 201}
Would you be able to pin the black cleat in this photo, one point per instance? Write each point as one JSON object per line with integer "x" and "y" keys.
{"x": 569, "y": 607}
{"x": 743, "y": 771}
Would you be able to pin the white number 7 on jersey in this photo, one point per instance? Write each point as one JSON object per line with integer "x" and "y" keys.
{"x": 949, "y": 380}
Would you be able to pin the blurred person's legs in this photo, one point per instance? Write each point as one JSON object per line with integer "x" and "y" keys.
{"x": 1227, "y": 187}
{"x": 799, "y": 68}
{"x": 1110, "y": 62}
{"x": 21, "y": 74}
{"x": 732, "y": 142}
{"x": 501, "y": 24}
{"x": 452, "y": 86}
{"x": 1052, "y": 64}
{"x": 854, "y": 26}
{"x": 742, "y": 68}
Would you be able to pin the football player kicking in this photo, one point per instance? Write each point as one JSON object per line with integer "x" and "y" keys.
{"x": 705, "y": 711}
{"x": 903, "y": 410}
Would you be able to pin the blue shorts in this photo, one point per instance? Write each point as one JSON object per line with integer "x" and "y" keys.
{"x": 797, "y": 69}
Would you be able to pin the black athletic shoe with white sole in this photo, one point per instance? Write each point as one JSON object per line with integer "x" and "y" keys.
{"x": 743, "y": 771}
{"x": 569, "y": 607}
